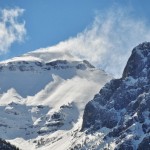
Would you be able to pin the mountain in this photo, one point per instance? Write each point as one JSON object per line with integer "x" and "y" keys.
{"x": 118, "y": 118}
{"x": 42, "y": 98}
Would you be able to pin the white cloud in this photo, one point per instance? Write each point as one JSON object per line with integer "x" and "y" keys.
{"x": 11, "y": 30}
{"x": 108, "y": 42}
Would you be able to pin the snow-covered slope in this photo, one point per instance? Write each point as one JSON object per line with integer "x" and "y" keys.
{"x": 42, "y": 98}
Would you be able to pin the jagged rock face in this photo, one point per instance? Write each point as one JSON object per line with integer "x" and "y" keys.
{"x": 123, "y": 105}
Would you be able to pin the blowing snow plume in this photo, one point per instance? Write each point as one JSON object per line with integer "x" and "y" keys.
{"x": 108, "y": 42}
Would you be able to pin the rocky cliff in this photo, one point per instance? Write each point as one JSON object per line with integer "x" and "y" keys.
{"x": 123, "y": 106}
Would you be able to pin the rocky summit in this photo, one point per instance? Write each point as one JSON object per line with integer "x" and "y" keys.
{"x": 122, "y": 107}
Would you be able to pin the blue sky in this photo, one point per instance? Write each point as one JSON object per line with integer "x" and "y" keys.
{"x": 48, "y": 22}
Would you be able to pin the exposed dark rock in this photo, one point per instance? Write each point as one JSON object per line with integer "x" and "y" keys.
{"x": 56, "y": 116}
{"x": 12, "y": 67}
{"x": 145, "y": 144}
{"x": 127, "y": 145}
{"x": 146, "y": 128}
{"x": 22, "y": 68}
{"x": 7, "y": 146}
{"x": 39, "y": 64}
{"x": 1, "y": 68}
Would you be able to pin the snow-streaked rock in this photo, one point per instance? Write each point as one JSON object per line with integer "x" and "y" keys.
{"x": 122, "y": 107}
